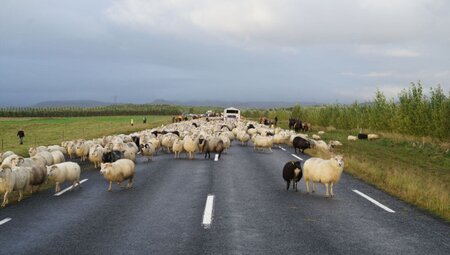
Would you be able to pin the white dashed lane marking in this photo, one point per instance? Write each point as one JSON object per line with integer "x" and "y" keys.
{"x": 208, "y": 213}
{"x": 295, "y": 156}
{"x": 5, "y": 220}
{"x": 67, "y": 189}
{"x": 283, "y": 149}
{"x": 216, "y": 158}
{"x": 374, "y": 201}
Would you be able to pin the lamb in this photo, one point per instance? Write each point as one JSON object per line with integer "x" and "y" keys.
{"x": 58, "y": 156}
{"x": 67, "y": 171}
{"x": 372, "y": 136}
{"x": 323, "y": 171}
{"x": 292, "y": 171}
{"x": 16, "y": 179}
{"x": 301, "y": 144}
{"x": 352, "y": 138}
{"x": 122, "y": 169}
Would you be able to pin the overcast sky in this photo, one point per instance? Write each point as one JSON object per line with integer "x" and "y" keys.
{"x": 240, "y": 50}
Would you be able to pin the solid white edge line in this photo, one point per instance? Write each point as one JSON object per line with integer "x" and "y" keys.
{"x": 67, "y": 189}
{"x": 374, "y": 201}
{"x": 216, "y": 158}
{"x": 207, "y": 214}
{"x": 5, "y": 220}
{"x": 295, "y": 156}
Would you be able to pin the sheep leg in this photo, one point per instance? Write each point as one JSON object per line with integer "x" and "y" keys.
{"x": 327, "y": 194}
{"x": 331, "y": 191}
{"x": 130, "y": 183}
{"x": 288, "y": 183}
{"x": 313, "y": 187}
{"x": 57, "y": 188}
{"x": 270, "y": 149}
{"x": 110, "y": 186}
{"x": 5, "y": 199}
{"x": 307, "y": 186}
{"x": 20, "y": 195}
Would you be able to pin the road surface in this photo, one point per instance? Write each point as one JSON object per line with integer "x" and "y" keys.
{"x": 251, "y": 211}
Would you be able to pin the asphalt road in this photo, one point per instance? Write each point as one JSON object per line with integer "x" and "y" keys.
{"x": 252, "y": 214}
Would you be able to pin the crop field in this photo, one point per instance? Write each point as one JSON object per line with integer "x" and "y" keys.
{"x": 49, "y": 131}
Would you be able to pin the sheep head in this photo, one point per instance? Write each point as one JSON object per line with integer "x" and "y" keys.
{"x": 105, "y": 168}
{"x": 339, "y": 160}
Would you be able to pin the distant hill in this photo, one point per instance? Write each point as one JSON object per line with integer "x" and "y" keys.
{"x": 211, "y": 103}
{"x": 76, "y": 103}
{"x": 250, "y": 104}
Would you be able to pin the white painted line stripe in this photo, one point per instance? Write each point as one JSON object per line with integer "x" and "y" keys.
{"x": 216, "y": 158}
{"x": 5, "y": 220}
{"x": 282, "y": 148}
{"x": 374, "y": 201}
{"x": 69, "y": 188}
{"x": 295, "y": 156}
{"x": 207, "y": 215}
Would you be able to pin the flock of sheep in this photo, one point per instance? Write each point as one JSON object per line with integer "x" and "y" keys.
{"x": 116, "y": 155}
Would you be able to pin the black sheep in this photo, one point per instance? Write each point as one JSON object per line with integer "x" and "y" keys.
{"x": 362, "y": 136}
{"x": 301, "y": 144}
{"x": 250, "y": 126}
{"x": 292, "y": 171}
{"x": 112, "y": 156}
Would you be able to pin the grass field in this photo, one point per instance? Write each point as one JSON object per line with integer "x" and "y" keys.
{"x": 49, "y": 131}
{"x": 415, "y": 171}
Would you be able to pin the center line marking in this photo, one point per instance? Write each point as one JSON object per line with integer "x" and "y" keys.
{"x": 207, "y": 215}
{"x": 282, "y": 148}
{"x": 5, "y": 220}
{"x": 374, "y": 201}
{"x": 295, "y": 156}
{"x": 67, "y": 189}
{"x": 216, "y": 158}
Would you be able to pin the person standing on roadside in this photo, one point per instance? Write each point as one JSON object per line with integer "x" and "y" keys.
{"x": 21, "y": 135}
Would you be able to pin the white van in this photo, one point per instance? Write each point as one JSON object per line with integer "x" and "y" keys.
{"x": 232, "y": 114}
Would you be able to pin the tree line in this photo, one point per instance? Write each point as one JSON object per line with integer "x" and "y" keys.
{"x": 413, "y": 113}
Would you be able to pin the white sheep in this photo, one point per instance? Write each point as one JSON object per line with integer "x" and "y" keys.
{"x": 190, "y": 146}
{"x": 47, "y": 156}
{"x": 58, "y": 156}
{"x": 177, "y": 148}
{"x": 16, "y": 179}
{"x": 130, "y": 154}
{"x": 5, "y": 155}
{"x": 34, "y": 150}
{"x": 352, "y": 138}
{"x": 82, "y": 150}
{"x": 36, "y": 167}
{"x": 373, "y": 136}
{"x": 56, "y": 148}
{"x": 321, "y": 132}
{"x": 96, "y": 155}
{"x": 67, "y": 171}
{"x": 263, "y": 142}
{"x": 122, "y": 169}
{"x": 315, "y": 137}
{"x": 323, "y": 171}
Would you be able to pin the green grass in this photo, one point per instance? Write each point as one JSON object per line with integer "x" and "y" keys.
{"x": 49, "y": 131}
